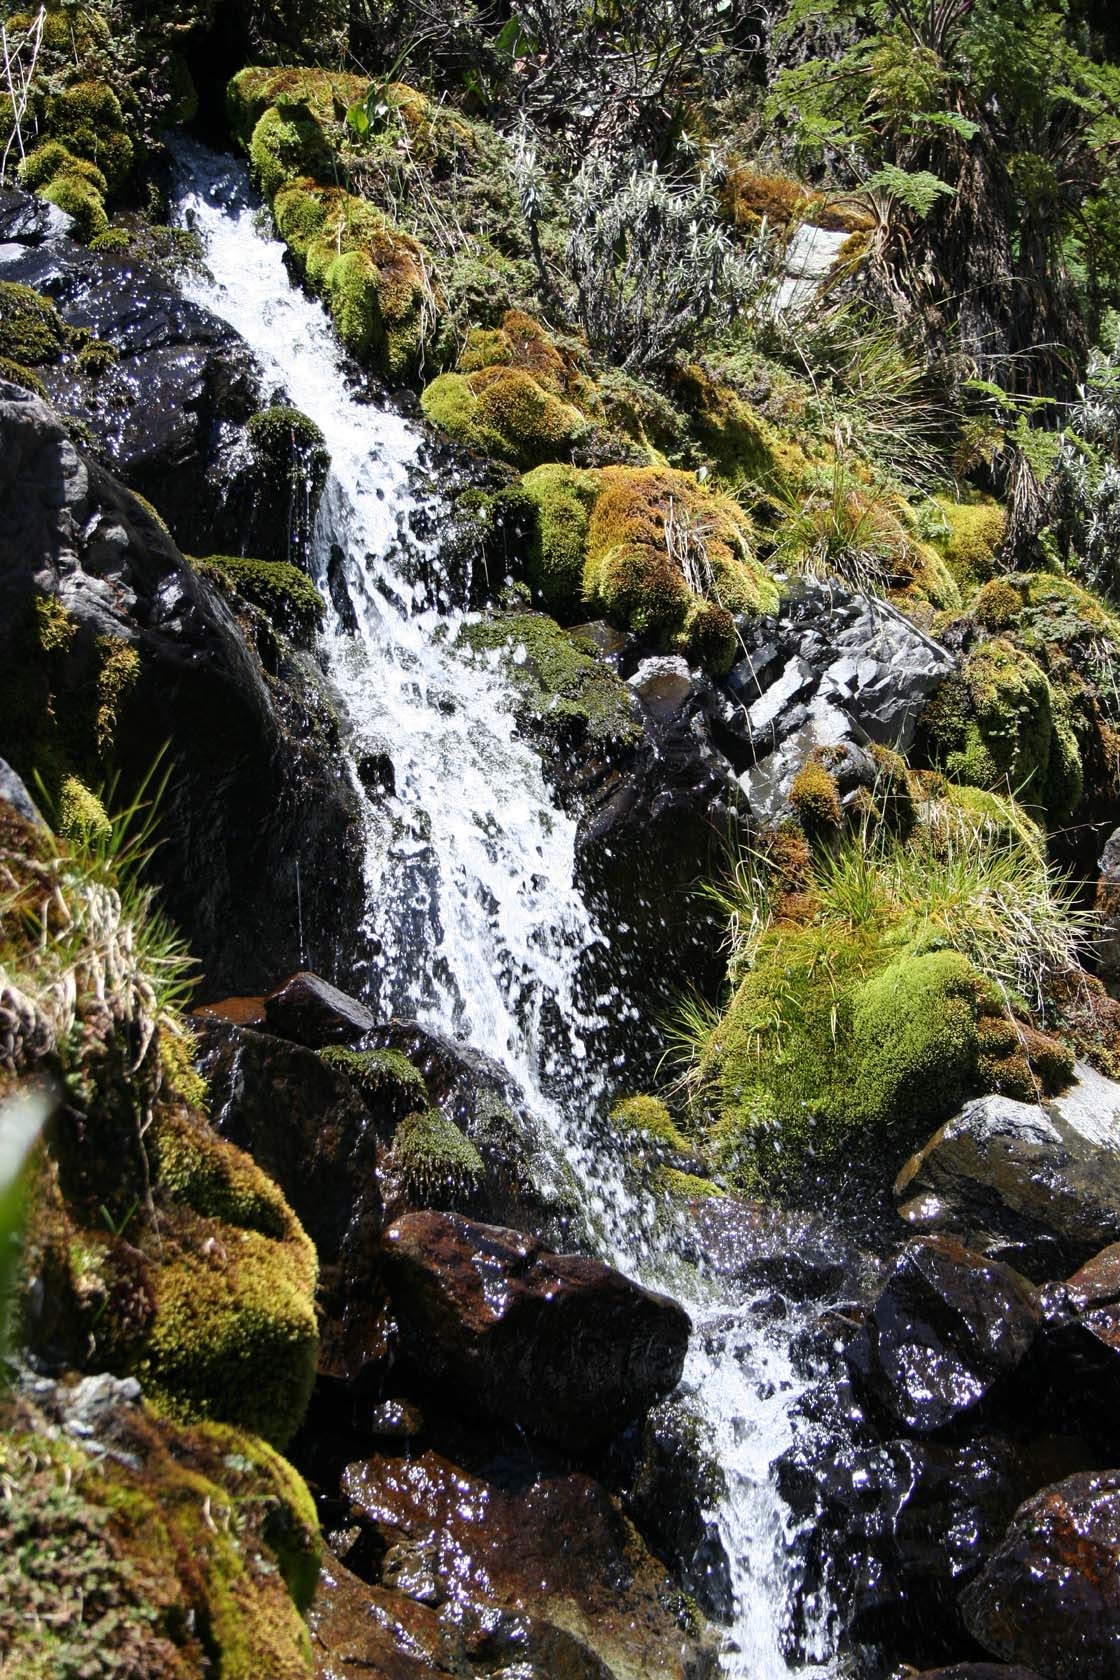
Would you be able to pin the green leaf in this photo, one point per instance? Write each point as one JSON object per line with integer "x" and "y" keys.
{"x": 357, "y": 118}
{"x": 919, "y": 190}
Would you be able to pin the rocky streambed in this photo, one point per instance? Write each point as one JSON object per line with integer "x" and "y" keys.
{"x": 571, "y": 1402}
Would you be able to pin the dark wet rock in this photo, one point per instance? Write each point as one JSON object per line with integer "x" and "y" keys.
{"x": 829, "y": 667}
{"x": 946, "y": 1328}
{"x": 1078, "y": 1356}
{"x": 1050, "y": 1596}
{"x": 528, "y": 1186}
{"x": 309, "y": 1010}
{"x": 395, "y": 1420}
{"x": 307, "y": 1126}
{"x": 760, "y": 1243}
{"x": 668, "y": 1478}
{"x": 251, "y": 788}
{"x": 1035, "y": 1184}
{"x": 562, "y": 1345}
{"x": 893, "y": 1531}
{"x": 237, "y": 1011}
{"x": 978, "y": 1671}
{"x": 532, "y": 1567}
{"x": 361, "y": 1629}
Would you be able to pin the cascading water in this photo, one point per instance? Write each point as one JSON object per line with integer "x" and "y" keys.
{"x": 474, "y": 917}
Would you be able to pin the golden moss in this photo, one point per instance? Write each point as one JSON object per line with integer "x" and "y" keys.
{"x": 505, "y": 412}
{"x": 646, "y": 1119}
{"x": 815, "y": 799}
{"x": 81, "y": 815}
{"x": 436, "y": 1163}
{"x": 975, "y": 532}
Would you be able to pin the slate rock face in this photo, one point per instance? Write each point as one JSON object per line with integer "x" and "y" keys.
{"x": 946, "y": 1327}
{"x": 1050, "y": 1596}
{"x": 829, "y": 667}
{"x": 562, "y": 1345}
{"x": 248, "y": 793}
{"x": 1037, "y": 1185}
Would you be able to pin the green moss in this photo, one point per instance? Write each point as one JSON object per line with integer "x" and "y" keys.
{"x": 816, "y": 801}
{"x": 325, "y": 95}
{"x": 80, "y": 200}
{"x": 998, "y": 726}
{"x": 561, "y": 498}
{"x": 118, "y": 674}
{"x": 18, "y": 375}
{"x": 206, "y": 1174}
{"x": 560, "y": 683}
{"x": 52, "y": 158}
{"x": 434, "y": 1161}
{"x": 647, "y": 1118}
{"x": 975, "y": 530}
{"x": 386, "y": 1077}
{"x": 87, "y": 117}
{"x": 914, "y": 1038}
{"x": 997, "y": 605}
{"x": 734, "y": 438}
{"x": 96, "y": 357}
{"x": 284, "y": 593}
{"x": 504, "y": 412}
{"x": 286, "y": 143}
{"x": 289, "y": 449}
{"x": 32, "y": 332}
{"x": 233, "y": 1336}
{"x": 81, "y": 816}
{"x": 686, "y": 1187}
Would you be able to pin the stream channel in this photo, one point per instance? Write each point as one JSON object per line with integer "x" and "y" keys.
{"x": 474, "y": 921}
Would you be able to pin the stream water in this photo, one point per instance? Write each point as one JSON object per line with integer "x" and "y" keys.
{"x": 474, "y": 920}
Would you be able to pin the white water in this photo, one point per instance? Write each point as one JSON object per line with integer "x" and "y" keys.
{"x": 473, "y": 908}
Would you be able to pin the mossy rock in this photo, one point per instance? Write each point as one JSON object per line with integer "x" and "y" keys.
{"x": 974, "y": 534}
{"x": 734, "y": 438}
{"x": 70, "y": 192}
{"x": 32, "y": 332}
{"x": 287, "y": 143}
{"x": 999, "y": 725}
{"x": 374, "y": 277}
{"x": 385, "y": 1077}
{"x": 325, "y": 95}
{"x": 437, "y": 1164}
{"x": 561, "y": 498}
{"x": 87, "y": 117}
{"x": 824, "y": 1043}
{"x": 282, "y": 592}
{"x": 646, "y": 1120}
{"x": 561, "y": 685}
{"x": 504, "y": 412}
{"x": 18, "y": 375}
{"x": 178, "y": 1550}
{"x": 657, "y": 541}
{"x": 815, "y": 800}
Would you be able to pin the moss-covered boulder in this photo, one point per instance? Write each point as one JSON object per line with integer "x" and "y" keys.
{"x": 999, "y": 724}
{"x": 973, "y": 531}
{"x": 134, "y": 1547}
{"x": 282, "y": 592}
{"x": 504, "y": 412}
{"x": 153, "y": 1248}
{"x": 562, "y": 687}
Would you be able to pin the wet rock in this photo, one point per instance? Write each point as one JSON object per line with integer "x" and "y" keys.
{"x": 528, "y": 1185}
{"x": 168, "y": 414}
{"x": 307, "y": 1126}
{"x": 562, "y": 1345}
{"x": 1050, "y": 1596}
{"x": 668, "y": 1478}
{"x": 252, "y": 788}
{"x": 14, "y": 793}
{"x": 356, "y": 1628}
{"x": 26, "y": 219}
{"x": 893, "y": 1531}
{"x": 517, "y": 1551}
{"x": 947, "y": 1328}
{"x": 1079, "y": 1351}
{"x": 1035, "y": 1184}
{"x": 978, "y": 1671}
{"x": 759, "y": 1243}
{"x": 309, "y": 1010}
{"x": 829, "y": 667}
{"x": 396, "y": 1420}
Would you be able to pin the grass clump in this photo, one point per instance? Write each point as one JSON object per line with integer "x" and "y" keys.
{"x": 897, "y": 980}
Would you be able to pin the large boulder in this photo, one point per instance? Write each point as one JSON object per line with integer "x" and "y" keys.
{"x": 1035, "y": 1184}
{"x": 110, "y": 643}
{"x": 1078, "y": 1353}
{"x": 534, "y": 1566}
{"x": 1050, "y": 1596}
{"x": 946, "y": 1329}
{"x": 563, "y": 1346}
{"x": 310, "y": 1129}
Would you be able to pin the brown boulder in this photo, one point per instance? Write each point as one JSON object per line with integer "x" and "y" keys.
{"x": 311, "y": 1011}
{"x": 946, "y": 1327}
{"x": 539, "y": 1569}
{"x": 1050, "y": 1596}
{"x": 562, "y": 1345}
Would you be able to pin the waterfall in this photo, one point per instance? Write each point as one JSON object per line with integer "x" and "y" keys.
{"x": 474, "y": 920}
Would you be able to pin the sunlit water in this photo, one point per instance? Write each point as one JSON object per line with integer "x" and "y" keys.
{"x": 474, "y": 922}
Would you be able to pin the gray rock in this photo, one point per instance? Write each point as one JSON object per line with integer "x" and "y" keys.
{"x": 13, "y": 793}
{"x": 830, "y": 667}
{"x": 28, "y": 220}
{"x": 1108, "y": 906}
{"x": 1037, "y": 1185}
